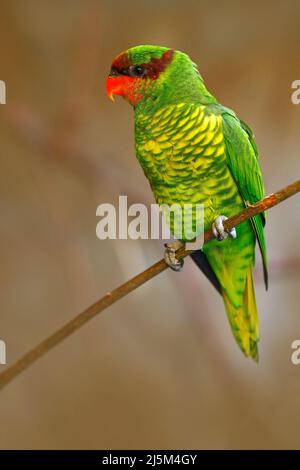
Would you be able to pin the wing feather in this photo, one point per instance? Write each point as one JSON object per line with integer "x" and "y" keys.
{"x": 242, "y": 160}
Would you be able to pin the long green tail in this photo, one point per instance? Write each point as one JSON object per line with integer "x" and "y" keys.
{"x": 243, "y": 319}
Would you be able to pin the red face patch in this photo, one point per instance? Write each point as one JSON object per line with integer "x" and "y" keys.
{"x": 124, "y": 80}
{"x": 122, "y": 85}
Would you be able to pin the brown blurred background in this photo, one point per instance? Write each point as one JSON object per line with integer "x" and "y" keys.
{"x": 160, "y": 369}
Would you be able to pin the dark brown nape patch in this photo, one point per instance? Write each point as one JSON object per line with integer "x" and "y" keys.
{"x": 153, "y": 68}
{"x": 156, "y": 66}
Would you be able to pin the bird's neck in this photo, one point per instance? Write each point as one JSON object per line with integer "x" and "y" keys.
{"x": 181, "y": 83}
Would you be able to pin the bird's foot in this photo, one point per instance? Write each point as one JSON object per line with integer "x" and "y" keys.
{"x": 170, "y": 255}
{"x": 219, "y": 231}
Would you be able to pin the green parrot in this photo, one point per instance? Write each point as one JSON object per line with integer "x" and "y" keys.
{"x": 193, "y": 150}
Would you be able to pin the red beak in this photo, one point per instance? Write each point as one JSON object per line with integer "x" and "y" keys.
{"x": 117, "y": 85}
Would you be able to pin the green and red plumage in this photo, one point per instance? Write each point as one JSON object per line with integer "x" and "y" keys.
{"x": 193, "y": 150}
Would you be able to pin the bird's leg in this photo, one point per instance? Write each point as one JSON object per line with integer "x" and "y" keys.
{"x": 170, "y": 255}
{"x": 219, "y": 231}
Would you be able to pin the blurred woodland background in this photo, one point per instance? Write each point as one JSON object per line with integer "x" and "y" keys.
{"x": 160, "y": 369}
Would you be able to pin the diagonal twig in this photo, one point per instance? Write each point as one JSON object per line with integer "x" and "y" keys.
{"x": 111, "y": 297}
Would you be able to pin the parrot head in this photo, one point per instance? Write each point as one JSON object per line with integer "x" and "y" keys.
{"x": 150, "y": 73}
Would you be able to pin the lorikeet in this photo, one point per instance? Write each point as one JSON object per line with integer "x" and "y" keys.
{"x": 194, "y": 150}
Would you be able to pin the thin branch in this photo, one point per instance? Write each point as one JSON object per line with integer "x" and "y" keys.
{"x": 111, "y": 297}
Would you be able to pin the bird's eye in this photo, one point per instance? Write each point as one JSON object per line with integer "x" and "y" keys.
{"x": 137, "y": 71}
{"x": 114, "y": 72}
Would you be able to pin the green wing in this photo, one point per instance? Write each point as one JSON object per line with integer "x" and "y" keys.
{"x": 242, "y": 159}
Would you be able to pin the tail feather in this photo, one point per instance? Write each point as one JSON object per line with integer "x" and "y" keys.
{"x": 243, "y": 319}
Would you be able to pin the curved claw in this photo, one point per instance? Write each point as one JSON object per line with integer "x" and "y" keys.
{"x": 171, "y": 260}
{"x": 219, "y": 231}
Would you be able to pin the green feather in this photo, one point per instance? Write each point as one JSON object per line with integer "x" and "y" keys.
{"x": 193, "y": 150}
{"x": 242, "y": 157}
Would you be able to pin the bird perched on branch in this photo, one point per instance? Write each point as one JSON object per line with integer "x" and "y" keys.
{"x": 193, "y": 150}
